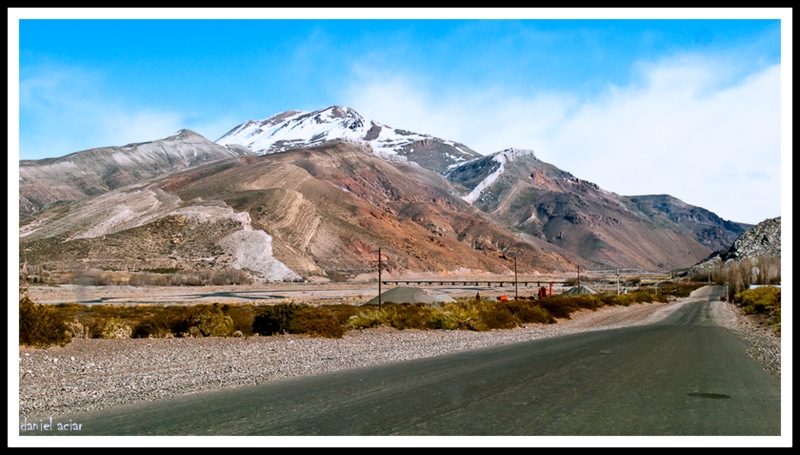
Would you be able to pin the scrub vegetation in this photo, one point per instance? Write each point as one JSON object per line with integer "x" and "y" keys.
{"x": 45, "y": 325}
{"x": 764, "y": 301}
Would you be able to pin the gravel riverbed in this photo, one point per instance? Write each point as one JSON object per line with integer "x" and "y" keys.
{"x": 93, "y": 374}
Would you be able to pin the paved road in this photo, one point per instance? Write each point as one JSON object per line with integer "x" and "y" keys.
{"x": 682, "y": 376}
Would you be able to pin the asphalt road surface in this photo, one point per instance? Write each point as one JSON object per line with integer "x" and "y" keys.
{"x": 684, "y": 376}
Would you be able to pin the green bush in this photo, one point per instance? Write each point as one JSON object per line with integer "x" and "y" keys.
{"x": 40, "y": 325}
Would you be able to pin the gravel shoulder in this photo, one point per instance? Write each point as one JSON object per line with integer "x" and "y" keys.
{"x": 93, "y": 374}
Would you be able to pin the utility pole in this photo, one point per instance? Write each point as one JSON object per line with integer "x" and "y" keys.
{"x": 380, "y": 266}
{"x": 516, "y": 289}
{"x": 617, "y": 281}
{"x": 579, "y": 276}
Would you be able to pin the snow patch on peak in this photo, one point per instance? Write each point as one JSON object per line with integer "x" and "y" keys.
{"x": 501, "y": 157}
{"x": 291, "y": 129}
{"x": 511, "y": 154}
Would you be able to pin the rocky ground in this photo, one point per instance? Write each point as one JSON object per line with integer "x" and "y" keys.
{"x": 92, "y": 374}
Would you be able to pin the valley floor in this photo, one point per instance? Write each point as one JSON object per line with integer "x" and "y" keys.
{"x": 92, "y": 374}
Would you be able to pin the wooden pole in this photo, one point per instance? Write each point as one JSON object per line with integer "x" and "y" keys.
{"x": 516, "y": 289}
{"x": 380, "y": 266}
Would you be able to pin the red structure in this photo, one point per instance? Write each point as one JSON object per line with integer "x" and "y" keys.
{"x": 543, "y": 292}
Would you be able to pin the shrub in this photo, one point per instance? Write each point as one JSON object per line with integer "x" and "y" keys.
{"x": 40, "y": 325}
{"x": 111, "y": 328}
{"x": 211, "y": 321}
{"x": 496, "y": 316}
{"x": 317, "y": 322}
{"x": 531, "y": 313}
{"x": 767, "y": 295}
{"x": 560, "y": 306}
{"x": 410, "y": 316}
{"x": 441, "y": 319}
{"x": 242, "y": 317}
{"x": 365, "y": 320}
{"x": 760, "y": 300}
{"x": 275, "y": 319}
{"x": 153, "y": 327}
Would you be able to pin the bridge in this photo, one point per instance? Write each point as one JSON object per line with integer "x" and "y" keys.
{"x": 489, "y": 283}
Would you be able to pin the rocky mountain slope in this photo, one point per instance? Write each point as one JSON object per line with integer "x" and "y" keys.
{"x": 303, "y": 195}
{"x": 763, "y": 239}
{"x": 314, "y": 212}
{"x": 93, "y": 172}
{"x": 755, "y": 256}
{"x": 649, "y": 232}
{"x": 704, "y": 226}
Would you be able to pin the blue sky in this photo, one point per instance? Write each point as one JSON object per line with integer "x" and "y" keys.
{"x": 686, "y": 106}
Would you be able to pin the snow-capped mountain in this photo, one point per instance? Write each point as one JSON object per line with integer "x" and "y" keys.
{"x": 295, "y": 129}
{"x": 340, "y": 186}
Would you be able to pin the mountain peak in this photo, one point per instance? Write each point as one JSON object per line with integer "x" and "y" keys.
{"x": 511, "y": 154}
{"x": 298, "y": 129}
{"x": 336, "y": 111}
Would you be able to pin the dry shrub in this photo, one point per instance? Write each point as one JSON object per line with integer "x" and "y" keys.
{"x": 158, "y": 325}
{"x": 210, "y": 321}
{"x": 275, "y": 319}
{"x": 764, "y": 299}
{"x": 411, "y": 316}
{"x": 441, "y": 319}
{"x": 317, "y": 321}
{"x": 497, "y": 316}
{"x": 528, "y": 312}
{"x": 40, "y": 325}
{"x": 110, "y": 328}
{"x": 365, "y": 320}
{"x": 242, "y": 317}
{"x": 560, "y": 307}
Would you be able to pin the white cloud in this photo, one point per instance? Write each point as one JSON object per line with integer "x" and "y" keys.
{"x": 55, "y": 103}
{"x": 486, "y": 120}
{"x": 691, "y": 127}
{"x": 673, "y": 136}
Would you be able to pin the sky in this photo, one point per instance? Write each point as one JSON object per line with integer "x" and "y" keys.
{"x": 694, "y": 103}
{"x": 678, "y": 102}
